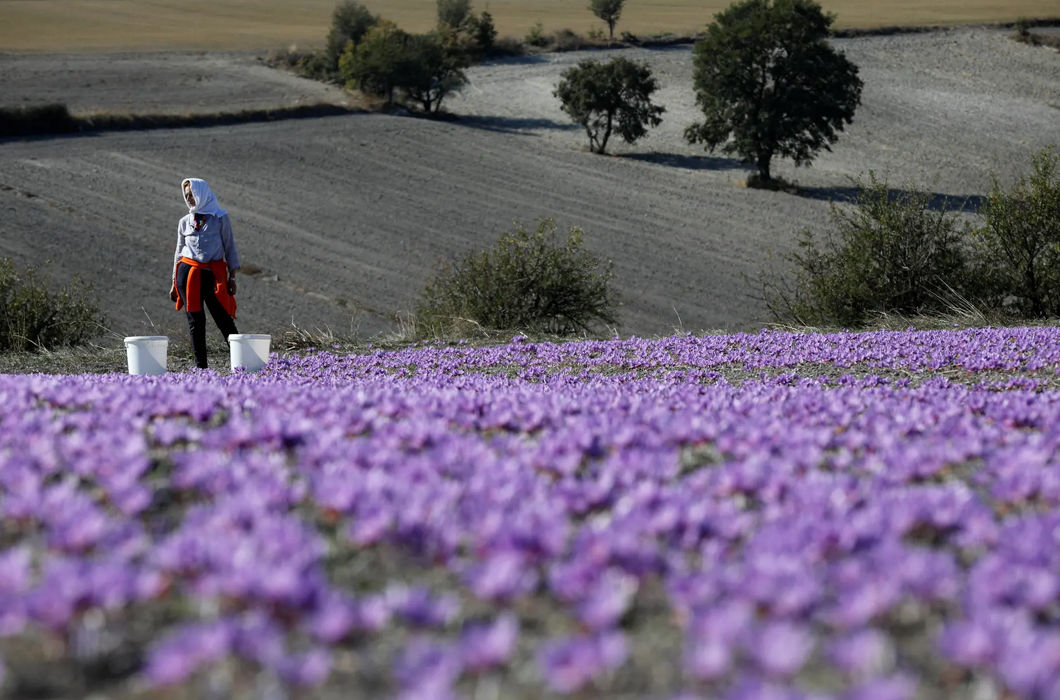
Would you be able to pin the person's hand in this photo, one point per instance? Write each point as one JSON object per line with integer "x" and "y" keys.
{"x": 173, "y": 292}
{"x": 232, "y": 286}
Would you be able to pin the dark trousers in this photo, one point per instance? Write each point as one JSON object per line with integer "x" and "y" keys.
{"x": 197, "y": 319}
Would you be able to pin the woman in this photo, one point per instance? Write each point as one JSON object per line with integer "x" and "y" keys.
{"x": 204, "y": 266}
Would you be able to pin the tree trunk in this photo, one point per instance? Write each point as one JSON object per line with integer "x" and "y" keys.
{"x": 1035, "y": 294}
{"x": 611, "y": 28}
{"x": 607, "y": 134}
{"x": 764, "y": 161}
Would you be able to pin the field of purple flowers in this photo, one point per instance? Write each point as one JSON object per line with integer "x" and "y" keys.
{"x": 776, "y": 515}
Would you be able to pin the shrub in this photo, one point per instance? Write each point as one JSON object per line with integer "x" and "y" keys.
{"x": 316, "y": 65}
{"x": 507, "y": 46}
{"x": 1018, "y": 247}
{"x": 32, "y": 318}
{"x": 528, "y": 281}
{"x": 612, "y": 96}
{"x": 536, "y": 35}
{"x": 891, "y": 253}
{"x": 567, "y": 39}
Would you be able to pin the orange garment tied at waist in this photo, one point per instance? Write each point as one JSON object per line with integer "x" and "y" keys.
{"x": 219, "y": 268}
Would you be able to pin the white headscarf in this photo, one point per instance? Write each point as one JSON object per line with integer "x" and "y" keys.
{"x": 205, "y": 200}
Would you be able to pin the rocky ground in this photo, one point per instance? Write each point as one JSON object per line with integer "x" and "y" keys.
{"x": 342, "y": 219}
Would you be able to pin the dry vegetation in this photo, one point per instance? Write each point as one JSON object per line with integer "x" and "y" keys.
{"x": 113, "y": 25}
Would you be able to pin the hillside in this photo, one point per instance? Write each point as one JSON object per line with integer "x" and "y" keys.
{"x": 346, "y": 216}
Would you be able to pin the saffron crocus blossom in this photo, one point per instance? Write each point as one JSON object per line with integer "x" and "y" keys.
{"x": 485, "y": 646}
{"x": 776, "y": 502}
{"x": 428, "y": 669}
{"x": 185, "y": 651}
{"x": 569, "y": 664}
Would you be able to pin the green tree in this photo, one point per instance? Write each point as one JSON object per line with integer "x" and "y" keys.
{"x": 1019, "y": 243}
{"x": 424, "y": 68}
{"x": 770, "y": 85}
{"x": 350, "y": 21}
{"x": 609, "y": 11}
{"x": 606, "y": 97}
{"x": 453, "y": 13}
{"x": 433, "y": 68}
{"x": 482, "y": 34}
{"x": 377, "y": 64}
{"x": 530, "y": 280}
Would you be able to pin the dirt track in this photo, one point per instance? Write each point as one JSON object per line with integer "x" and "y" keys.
{"x": 346, "y": 216}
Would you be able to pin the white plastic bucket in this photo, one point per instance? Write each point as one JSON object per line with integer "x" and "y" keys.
{"x": 249, "y": 351}
{"x": 147, "y": 353}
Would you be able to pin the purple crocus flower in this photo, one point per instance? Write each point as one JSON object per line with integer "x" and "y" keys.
{"x": 708, "y": 657}
{"x": 752, "y": 688}
{"x": 568, "y": 664}
{"x": 864, "y": 653}
{"x": 608, "y": 601}
{"x": 427, "y": 669}
{"x": 257, "y": 638}
{"x": 484, "y": 646}
{"x": 14, "y": 580}
{"x": 371, "y": 613}
{"x": 186, "y": 650}
{"x": 308, "y": 669}
{"x": 781, "y": 648}
{"x": 418, "y": 606}
{"x": 897, "y": 687}
{"x": 969, "y": 643}
{"x": 334, "y": 617}
{"x": 501, "y": 576}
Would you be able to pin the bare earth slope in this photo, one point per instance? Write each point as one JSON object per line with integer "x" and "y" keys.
{"x": 347, "y": 216}
{"x": 157, "y": 83}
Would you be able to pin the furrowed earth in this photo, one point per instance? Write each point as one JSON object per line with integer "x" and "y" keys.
{"x": 340, "y": 220}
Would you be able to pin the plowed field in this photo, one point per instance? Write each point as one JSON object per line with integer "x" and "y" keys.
{"x": 345, "y": 217}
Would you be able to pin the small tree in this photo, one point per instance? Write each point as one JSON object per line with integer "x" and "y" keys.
{"x": 528, "y": 281}
{"x": 482, "y": 34}
{"x": 891, "y": 253}
{"x": 608, "y": 11}
{"x": 612, "y": 96}
{"x": 434, "y": 69}
{"x": 350, "y": 21}
{"x": 1019, "y": 244}
{"x": 377, "y": 63}
{"x": 770, "y": 85}
{"x": 453, "y": 13}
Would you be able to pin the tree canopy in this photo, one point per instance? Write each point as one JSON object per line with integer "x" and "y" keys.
{"x": 424, "y": 68}
{"x": 350, "y": 21}
{"x": 769, "y": 84}
{"x": 610, "y": 97}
